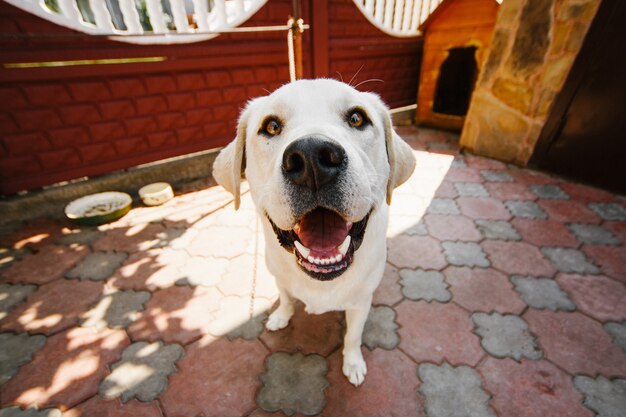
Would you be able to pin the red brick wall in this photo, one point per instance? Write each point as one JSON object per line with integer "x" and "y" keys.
{"x": 62, "y": 123}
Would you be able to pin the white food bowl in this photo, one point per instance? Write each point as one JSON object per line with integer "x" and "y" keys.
{"x": 98, "y": 208}
{"x": 156, "y": 194}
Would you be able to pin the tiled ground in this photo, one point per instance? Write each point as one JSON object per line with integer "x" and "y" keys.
{"x": 504, "y": 295}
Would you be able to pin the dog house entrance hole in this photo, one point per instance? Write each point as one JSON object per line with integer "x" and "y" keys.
{"x": 457, "y": 76}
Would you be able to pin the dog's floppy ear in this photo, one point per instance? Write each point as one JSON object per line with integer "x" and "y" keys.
{"x": 400, "y": 155}
{"x": 230, "y": 164}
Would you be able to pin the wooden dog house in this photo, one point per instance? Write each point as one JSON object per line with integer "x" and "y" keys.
{"x": 457, "y": 36}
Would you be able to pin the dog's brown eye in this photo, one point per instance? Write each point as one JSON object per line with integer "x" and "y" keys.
{"x": 271, "y": 127}
{"x": 356, "y": 118}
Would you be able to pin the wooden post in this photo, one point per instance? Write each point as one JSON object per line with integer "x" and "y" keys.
{"x": 297, "y": 36}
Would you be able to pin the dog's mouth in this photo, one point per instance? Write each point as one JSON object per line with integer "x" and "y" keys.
{"x": 323, "y": 242}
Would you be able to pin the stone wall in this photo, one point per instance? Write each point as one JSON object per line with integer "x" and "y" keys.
{"x": 534, "y": 46}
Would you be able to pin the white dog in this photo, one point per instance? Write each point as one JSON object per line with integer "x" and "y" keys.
{"x": 322, "y": 160}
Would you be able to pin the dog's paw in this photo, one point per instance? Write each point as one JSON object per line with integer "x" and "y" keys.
{"x": 277, "y": 320}
{"x": 355, "y": 370}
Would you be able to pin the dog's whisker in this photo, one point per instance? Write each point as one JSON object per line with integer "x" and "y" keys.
{"x": 340, "y": 76}
{"x": 356, "y": 74}
{"x": 368, "y": 81}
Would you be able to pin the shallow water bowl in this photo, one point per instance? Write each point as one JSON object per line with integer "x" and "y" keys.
{"x": 156, "y": 194}
{"x": 99, "y": 208}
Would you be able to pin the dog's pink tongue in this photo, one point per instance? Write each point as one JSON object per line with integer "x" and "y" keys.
{"x": 322, "y": 230}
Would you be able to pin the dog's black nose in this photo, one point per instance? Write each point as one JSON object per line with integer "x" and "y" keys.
{"x": 313, "y": 162}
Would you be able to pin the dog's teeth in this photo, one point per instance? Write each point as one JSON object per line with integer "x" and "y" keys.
{"x": 310, "y": 259}
{"x": 318, "y": 261}
{"x": 304, "y": 251}
{"x": 343, "y": 248}
{"x": 338, "y": 258}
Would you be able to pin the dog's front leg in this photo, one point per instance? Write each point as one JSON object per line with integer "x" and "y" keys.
{"x": 279, "y": 319}
{"x": 354, "y": 367}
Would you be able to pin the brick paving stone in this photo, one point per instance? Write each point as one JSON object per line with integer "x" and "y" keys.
{"x": 548, "y": 192}
{"x": 611, "y": 260}
{"x": 415, "y": 252}
{"x": 85, "y": 237}
{"x": 239, "y": 275}
{"x": 307, "y": 333}
{"x": 169, "y": 237}
{"x": 389, "y": 389}
{"x": 15, "y": 351}
{"x": 215, "y": 377}
{"x": 117, "y": 309}
{"x": 446, "y": 227}
{"x": 618, "y": 333}
{"x": 568, "y": 211}
{"x": 517, "y": 258}
{"x": 542, "y": 293}
{"x": 407, "y": 205}
{"x": 496, "y": 176}
{"x": 54, "y": 307}
{"x": 176, "y": 314}
{"x": 29, "y": 412}
{"x": 99, "y": 407}
{"x": 293, "y": 383}
{"x": 141, "y": 372}
{"x": 10, "y": 295}
{"x": 389, "y": 292}
{"x": 97, "y": 266}
{"x": 381, "y": 329}
{"x": 222, "y": 242}
{"x": 67, "y": 370}
{"x": 234, "y": 312}
{"x": 531, "y": 389}
{"x": 483, "y": 208}
{"x": 544, "y": 232}
{"x": 249, "y": 330}
{"x": 443, "y": 206}
{"x": 131, "y": 239}
{"x": 609, "y": 211}
{"x": 408, "y": 225}
{"x": 509, "y": 191}
{"x": 576, "y": 343}
{"x": 617, "y": 228}
{"x": 586, "y": 193}
{"x": 607, "y": 398}
{"x": 9, "y": 257}
{"x": 465, "y": 254}
{"x": 33, "y": 234}
{"x": 483, "y": 290}
{"x": 480, "y": 162}
{"x": 48, "y": 264}
{"x": 424, "y": 285}
{"x": 526, "y": 209}
{"x": 600, "y": 297}
{"x": 471, "y": 189}
{"x": 593, "y": 235}
{"x": 505, "y": 336}
{"x": 434, "y": 332}
{"x": 569, "y": 260}
{"x": 528, "y": 177}
{"x": 497, "y": 229}
{"x": 463, "y": 175}
{"x": 450, "y": 391}
{"x": 202, "y": 271}
{"x": 446, "y": 190}
{"x": 151, "y": 270}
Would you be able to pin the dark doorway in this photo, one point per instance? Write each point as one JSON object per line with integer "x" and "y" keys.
{"x": 457, "y": 76}
{"x": 585, "y": 134}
